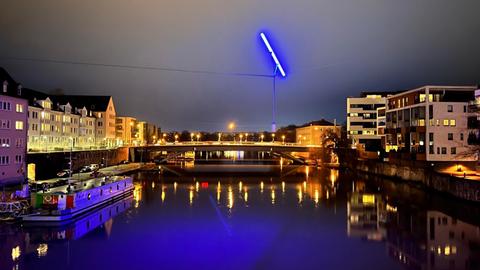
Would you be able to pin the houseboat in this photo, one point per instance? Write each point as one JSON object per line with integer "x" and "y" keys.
{"x": 63, "y": 203}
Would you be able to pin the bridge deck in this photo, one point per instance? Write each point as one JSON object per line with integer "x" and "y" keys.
{"x": 229, "y": 146}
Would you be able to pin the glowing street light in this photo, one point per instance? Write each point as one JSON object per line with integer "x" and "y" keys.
{"x": 219, "y": 136}
{"x": 283, "y": 139}
{"x": 278, "y": 67}
{"x": 198, "y": 137}
{"x": 273, "y": 137}
{"x": 261, "y": 137}
{"x": 241, "y": 137}
{"x": 231, "y": 127}
{"x": 191, "y": 136}
{"x": 246, "y": 136}
{"x": 176, "y": 137}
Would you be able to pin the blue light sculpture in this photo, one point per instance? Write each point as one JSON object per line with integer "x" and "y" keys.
{"x": 278, "y": 67}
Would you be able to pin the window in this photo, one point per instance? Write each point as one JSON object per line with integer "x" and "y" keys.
{"x": 4, "y": 160}
{"x": 461, "y": 136}
{"x": 464, "y": 108}
{"x": 5, "y": 124}
{"x": 431, "y": 149}
{"x": 18, "y": 159}
{"x": 453, "y": 122}
{"x": 453, "y": 150}
{"x": 430, "y": 136}
{"x": 5, "y": 106}
{"x": 450, "y": 136}
{"x": 450, "y": 108}
{"x": 438, "y": 150}
{"x": 19, "y": 108}
{"x": 18, "y": 125}
{"x": 444, "y": 150}
{"x": 4, "y": 142}
{"x": 445, "y": 122}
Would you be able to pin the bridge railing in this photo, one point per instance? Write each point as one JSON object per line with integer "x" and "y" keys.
{"x": 276, "y": 143}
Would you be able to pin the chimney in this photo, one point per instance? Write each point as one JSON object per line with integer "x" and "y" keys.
{"x": 5, "y": 86}
{"x": 19, "y": 90}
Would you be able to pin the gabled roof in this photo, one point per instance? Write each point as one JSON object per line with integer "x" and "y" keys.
{"x": 12, "y": 84}
{"x": 92, "y": 103}
{"x": 321, "y": 122}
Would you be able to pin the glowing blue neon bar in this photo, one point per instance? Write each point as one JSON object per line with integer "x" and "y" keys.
{"x": 270, "y": 50}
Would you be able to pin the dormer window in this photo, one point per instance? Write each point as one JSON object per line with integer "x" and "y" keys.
{"x": 5, "y": 86}
{"x": 19, "y": 90}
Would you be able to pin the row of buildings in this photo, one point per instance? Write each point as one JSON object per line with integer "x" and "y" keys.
{"x": 33, "y": 121}
{"x": 430, "y": 123}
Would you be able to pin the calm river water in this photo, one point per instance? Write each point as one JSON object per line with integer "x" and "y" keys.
{"x": 310, "y": 219}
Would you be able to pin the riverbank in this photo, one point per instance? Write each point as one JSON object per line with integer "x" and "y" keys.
{"x": 418, "y": 173}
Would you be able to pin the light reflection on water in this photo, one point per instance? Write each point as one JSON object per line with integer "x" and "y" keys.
{"x": 311, "y": 220}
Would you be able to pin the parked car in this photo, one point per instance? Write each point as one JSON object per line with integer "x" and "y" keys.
{"x": 64, "y": 173}
{"x": 86, "y": 168}
{"x": 94, "y": 167}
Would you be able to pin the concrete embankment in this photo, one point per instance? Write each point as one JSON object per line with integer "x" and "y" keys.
{"x": 419, "y": 173}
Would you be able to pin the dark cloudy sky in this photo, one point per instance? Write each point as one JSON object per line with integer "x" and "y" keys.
{"x": 331, "y": 49}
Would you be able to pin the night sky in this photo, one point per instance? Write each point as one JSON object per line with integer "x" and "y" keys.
{"x": 331, "y": 50}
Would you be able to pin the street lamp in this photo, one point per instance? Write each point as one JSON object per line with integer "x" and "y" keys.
{"x": 279, "y": 68}
{"x": 231, "y": 127}
{"x": 176, "y": 137}
{"x": 246, "y": 136}
{"x": 241, "y": 136}
{"x": 198, "y": 137}
{"x": 261, "y": 137}
{"x": 219, "y": 136}
{"x": 191, "y": 136}
{"x": 273, "y": 137}
{"x": 283, "y": 139}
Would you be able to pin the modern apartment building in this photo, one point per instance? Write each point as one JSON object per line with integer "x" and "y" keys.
{"x": 431, "y": 123}
{"x": 362, "y": 119}
{"x": 313, "y": 133}
{"x": 13, "y": 131}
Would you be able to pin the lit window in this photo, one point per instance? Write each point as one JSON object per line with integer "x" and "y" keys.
{"x": 422, "y": 97}
{"x": 19, "y": 108}
{"x": 421, "y": 122}
{"x": 452, "y": 122}
{"x": 19, "y": 125}
{"x": 445, "y": 122}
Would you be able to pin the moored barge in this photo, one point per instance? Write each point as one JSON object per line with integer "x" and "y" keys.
{"x": 66, "y": 202}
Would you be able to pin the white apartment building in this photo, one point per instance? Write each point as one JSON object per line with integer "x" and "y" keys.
{"x": 431, "y": 123}
{"x": 362, "y": 119}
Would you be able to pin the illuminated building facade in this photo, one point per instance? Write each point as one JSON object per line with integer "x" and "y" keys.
{"x": 13, "y": 131}
{"x": 362, "y": 119}
{"x": 431, "y": 123}
{"x": 313, "y": 133}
